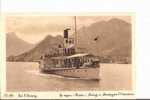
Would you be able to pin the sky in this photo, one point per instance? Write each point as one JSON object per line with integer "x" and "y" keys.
{"x": 35, "y": 28}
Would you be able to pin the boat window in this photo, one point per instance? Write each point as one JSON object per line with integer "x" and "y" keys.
{"x": 70, "y": 41}
{"x": 66, "y": 41}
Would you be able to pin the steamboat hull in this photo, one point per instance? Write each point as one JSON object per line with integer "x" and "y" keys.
{"x": 82, "y": 73}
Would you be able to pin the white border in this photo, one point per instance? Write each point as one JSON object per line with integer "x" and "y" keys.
{"x": 141, "y": 7}
{"x": 54, "y": 94}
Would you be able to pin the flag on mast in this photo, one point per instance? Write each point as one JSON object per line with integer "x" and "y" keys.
{"x": 96, "y": 38}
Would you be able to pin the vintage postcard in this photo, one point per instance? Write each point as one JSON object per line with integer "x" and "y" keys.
{"x": 67, "y": 56}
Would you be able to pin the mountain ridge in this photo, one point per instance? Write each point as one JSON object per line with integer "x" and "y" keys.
{"x": 113, "y": 41}
{"x": 15, "y": 45}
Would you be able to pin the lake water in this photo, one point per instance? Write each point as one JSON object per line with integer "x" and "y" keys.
{"x": 24, "y": 76}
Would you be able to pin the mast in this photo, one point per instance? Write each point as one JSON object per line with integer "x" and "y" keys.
{"x": 75, "y": 35}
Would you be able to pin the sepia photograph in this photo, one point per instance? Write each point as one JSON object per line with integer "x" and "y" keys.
{"x": 74, "y": 49}
{"x": 68, "y": 53}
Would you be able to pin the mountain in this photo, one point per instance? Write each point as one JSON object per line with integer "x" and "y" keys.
{"x": 47, "y": 46}
{"x": 15, "y": 45}
{"x": 104, "y": 38}
{"x": 107, "y": 38}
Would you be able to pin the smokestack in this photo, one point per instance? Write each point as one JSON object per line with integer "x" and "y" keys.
{"x": 66, "y": 33}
